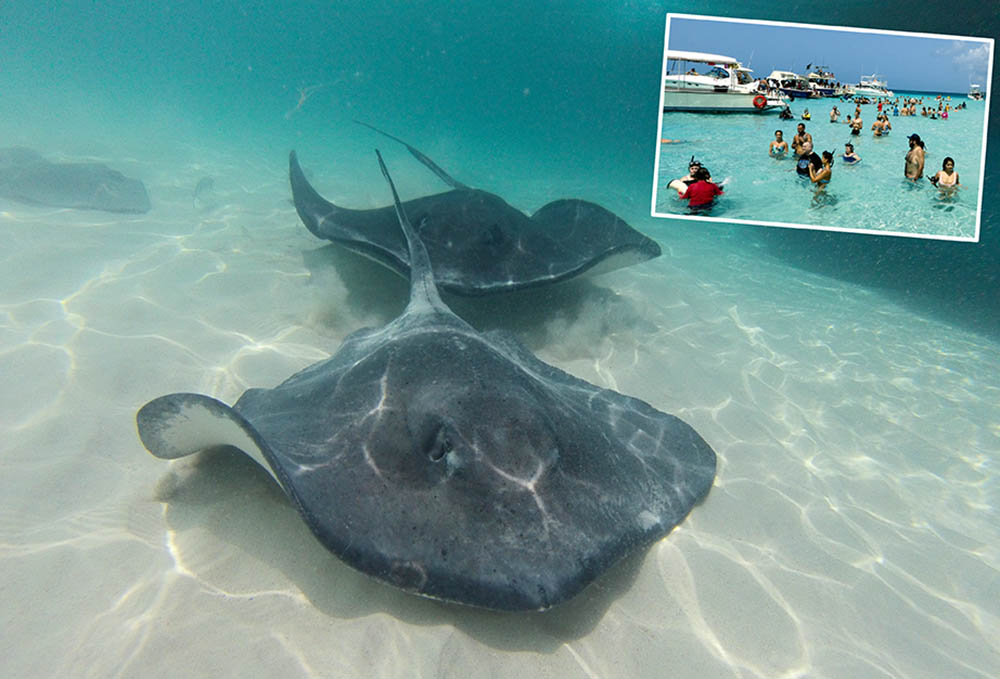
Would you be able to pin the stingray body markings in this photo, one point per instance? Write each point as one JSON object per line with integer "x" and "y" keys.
{"x": 455, "y": 464}
{"x": 25, "y": 176}
{"x": 478, "y": 244}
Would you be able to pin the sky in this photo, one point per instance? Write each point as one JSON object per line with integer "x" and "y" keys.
{"x": 913, "y": 62}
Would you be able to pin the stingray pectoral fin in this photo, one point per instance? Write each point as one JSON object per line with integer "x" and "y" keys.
{"x": 177, "y": 425}
{"x": 313, "y": 208}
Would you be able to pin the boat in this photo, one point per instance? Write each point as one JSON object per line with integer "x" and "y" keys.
{"x": 873, "y": 85}
{"x": 975, "y": 92}
{"x": 792, "y": 84}
{"x": 713, "y": 83}
{"x": 822, "y": 81}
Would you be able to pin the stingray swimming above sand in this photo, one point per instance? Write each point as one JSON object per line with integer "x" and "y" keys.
{"x": 25, "y": 176}
{"x": 454, "y": 464}
{"x": 478, "y": 244}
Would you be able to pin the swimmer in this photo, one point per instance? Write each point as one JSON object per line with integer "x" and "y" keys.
{"x": 850, "y": 157}
{"x": 856, "y": 125}
{"x": 946, "y": 178}
{"x": 806, "y": 115}
{"x": 778, "y": 147}
{"x": 834, "y": 114}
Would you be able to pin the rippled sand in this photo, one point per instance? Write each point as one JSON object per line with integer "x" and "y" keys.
{"x": 853, "y": 530}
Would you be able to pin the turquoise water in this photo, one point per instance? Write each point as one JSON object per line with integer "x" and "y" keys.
{"x": 849, "y": 384}
{"x": 871, "y": 194}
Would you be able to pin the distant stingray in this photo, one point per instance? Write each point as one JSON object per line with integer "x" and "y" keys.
{"x": 454, "y": 464}
{"x": 27, "y": 177}
{"x": 479, "y": 244}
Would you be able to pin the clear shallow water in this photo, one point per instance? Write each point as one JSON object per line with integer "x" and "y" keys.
{"x": 852, "y": 531}
{"x": 869, "y": 195}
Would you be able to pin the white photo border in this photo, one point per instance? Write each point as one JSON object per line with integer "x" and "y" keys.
{"x": 790, "y": 225}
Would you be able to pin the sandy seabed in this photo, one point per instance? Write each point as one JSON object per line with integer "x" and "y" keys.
{"x": 853, "y": 530}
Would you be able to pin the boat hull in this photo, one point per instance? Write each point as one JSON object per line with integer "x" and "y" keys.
{"x": 714, "y": 102}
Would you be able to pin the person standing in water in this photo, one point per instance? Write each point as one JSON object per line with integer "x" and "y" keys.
{"x": 821, "y": 177}
{"x": 801, "y": 139}
{"x": 834, "y": 114}
{"x": 914, "y": 169}
{"x": 850, "y": 157}
{"x": 946, "y": 178}
{"x": 779, "y": 146}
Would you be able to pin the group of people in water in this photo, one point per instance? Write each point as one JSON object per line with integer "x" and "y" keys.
{"x": 819, "y": 167}
{"x": 700, "y": 191}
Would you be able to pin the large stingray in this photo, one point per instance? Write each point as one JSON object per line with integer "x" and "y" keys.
{"x": 455, "y": 464}
{"x": 27, "y": 177}
{"x": 478, "y": 244}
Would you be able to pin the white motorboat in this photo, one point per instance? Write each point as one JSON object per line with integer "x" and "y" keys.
{"x": 792, "y": 84}
{"x": 822, "y": 81}
{"x": 713, "y": 83}
{"x": 873, "y": 86}
{"x": 975, "y": 92}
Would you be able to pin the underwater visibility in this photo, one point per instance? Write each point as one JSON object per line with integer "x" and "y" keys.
{"x": 436, "y": 395}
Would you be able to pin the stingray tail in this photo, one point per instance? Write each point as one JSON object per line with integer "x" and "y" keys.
{"x": 434, "y": 167}
{"x": 423, "y": 290}
{"x": 313, "y": 209}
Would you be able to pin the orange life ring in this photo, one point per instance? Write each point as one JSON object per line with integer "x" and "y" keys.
{"x": 759, "y": 102}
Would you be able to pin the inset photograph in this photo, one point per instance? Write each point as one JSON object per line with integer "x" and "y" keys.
{"x": 822, "y": 127}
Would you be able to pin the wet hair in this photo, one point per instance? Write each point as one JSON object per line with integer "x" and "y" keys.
{"x": 828, "y": 156}
{"x": 946, "y": 160}
{"x": 779, "y": 132}
{"x": 702, "y": 173}
{"x": 849, "y": 145}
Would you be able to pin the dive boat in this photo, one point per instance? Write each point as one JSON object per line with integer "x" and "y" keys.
{"x": 975, "y": 92}
{"x": 792, "y": 84}
{"x": 822, "y": 81}
{"x": 873, "y": 85}
{"x": 713, "y": 83}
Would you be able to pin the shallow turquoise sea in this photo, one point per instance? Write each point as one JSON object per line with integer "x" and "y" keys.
{"x": 871, "y": 194}
{"x": 848, "y": 383}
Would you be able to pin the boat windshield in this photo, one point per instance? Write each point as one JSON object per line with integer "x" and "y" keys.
{"x": 743, "y": 78}
{"x": 718, "y": 72}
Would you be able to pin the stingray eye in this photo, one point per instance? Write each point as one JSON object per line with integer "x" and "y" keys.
{"x": 439, "y": 444}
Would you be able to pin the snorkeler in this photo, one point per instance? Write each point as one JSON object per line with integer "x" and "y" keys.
{"x": 703, "y": 191}
{"x": 850, "y": 157}
{"x": 681, "y": 185}
{"x": 778, "y": 147}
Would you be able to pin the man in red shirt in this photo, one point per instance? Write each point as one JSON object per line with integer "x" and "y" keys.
{"x": 703, "y": 191}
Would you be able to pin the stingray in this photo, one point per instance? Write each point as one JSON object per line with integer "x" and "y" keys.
{"x": 455, "y": 464}
{"x": 25, "y": 176}
{"x": 478, "y": 244}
